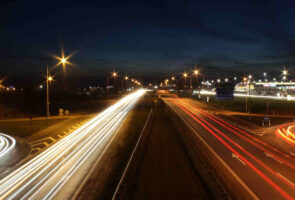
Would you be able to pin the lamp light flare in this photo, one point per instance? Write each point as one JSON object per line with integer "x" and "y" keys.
{"x": 114, "y": 74}
{"x": 50, "y": 78}
{"x": 196, "y": 72}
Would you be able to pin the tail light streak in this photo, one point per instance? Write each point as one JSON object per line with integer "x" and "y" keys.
{"x": 268, "y": 180}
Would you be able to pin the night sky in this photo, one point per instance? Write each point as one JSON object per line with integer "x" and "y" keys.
{"x": 147, "y": 38}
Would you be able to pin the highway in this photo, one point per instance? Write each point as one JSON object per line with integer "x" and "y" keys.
{"x": 57, "y": 172}
{"x": 262, "y": 170}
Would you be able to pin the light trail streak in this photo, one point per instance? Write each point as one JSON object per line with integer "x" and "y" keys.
{"x": 285, "y": 132}
{"x": 44, "y": 176}
{"x": 251, "y": 140}
{"x": 7, "y": 143}
{"x": 262, "y": 175}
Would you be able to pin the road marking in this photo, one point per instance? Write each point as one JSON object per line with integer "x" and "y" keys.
{"x": 131, "y": 157}
{"x": 36, "y": 149}
{"x": 251, "y": 193}
{"x": 286, "y": 179}
{"x": 238, "y": 158}
{"x": 272, "y": 156}
{"x": 43, "y": 139}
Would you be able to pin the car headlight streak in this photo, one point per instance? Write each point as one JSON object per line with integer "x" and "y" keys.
{"x": 43, "y": 176}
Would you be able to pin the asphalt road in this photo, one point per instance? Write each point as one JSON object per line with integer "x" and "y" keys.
{"x": 260, "y": 169}
{"x": 57, "y": 172}
{"x": 164, "y": 170}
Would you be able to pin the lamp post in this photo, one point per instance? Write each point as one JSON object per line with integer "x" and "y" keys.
{"x": 184, "y": 76}
{"x": 195, "y": 73}
{"x": 48, "y": 80}
{"x": 63, "y": 61}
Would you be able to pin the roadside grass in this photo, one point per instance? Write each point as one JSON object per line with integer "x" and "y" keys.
{"x": 25, "y": 129}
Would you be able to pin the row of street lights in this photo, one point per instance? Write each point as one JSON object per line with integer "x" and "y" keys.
{"x": 185, "y": 76}
{"x": 126, "y": 78}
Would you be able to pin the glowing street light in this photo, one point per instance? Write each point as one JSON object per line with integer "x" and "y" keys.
{"x": 284, "y": 72}
{"x": 185, "y": 75}
{"x": 235, "y": 78}
{"x": 226, "y": 79}
{"x": 126, "y": 78}
{"x": 173, "y": 78}
{"x": 196, "y": 72}
{"x": 50, "y": 78}
{"x": 114, "y": 74}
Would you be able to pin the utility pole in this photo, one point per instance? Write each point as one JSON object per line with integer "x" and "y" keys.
{"x": 248, "y": 97}
{"x": 47, "y": 94}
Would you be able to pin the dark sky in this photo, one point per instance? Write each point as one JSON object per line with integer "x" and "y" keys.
{"x": 147, "y": 38}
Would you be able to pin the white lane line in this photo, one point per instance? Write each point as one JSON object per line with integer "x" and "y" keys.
{"x": 131, "y": 157}
{"x": 42, "y": 140}
{"x": 285, "y": 179}
{"x": 251, "y": 193}
{"x": 235, "y": 156}
{"x": 273, "y": 157}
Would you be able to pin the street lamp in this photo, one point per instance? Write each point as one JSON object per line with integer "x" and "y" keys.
{"x": 184, "y": 76}
{"x": 48, "y": 81}
{"x": 62, "y": 61}
{"x": 195, "y": 72}
{"x": 114, "y": 74}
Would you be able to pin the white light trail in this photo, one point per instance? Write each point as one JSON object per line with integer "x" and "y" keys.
{"x": 7, "y": 143}
{"x": 45, "y": 175}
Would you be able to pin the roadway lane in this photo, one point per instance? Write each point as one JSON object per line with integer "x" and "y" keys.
{"x": 57, "y": 172}
{"x": 261, "y": 169}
